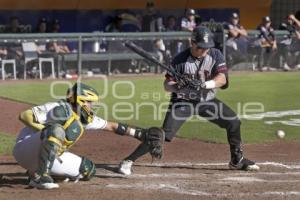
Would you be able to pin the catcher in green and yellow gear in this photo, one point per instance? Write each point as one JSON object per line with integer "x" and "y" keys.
{"x": 52, "y": 128}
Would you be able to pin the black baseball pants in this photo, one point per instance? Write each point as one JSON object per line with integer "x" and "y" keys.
{"x": 214, "y": 111}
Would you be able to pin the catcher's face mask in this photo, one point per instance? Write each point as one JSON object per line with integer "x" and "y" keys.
{"x": 83, "y": 97}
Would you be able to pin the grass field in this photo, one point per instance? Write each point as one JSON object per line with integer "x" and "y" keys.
{"x": 276, "y": 91}
{"x": 7, "y": 143}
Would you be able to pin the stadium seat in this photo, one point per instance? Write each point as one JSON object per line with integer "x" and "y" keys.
{"x": 11, "y": 62}
{"x": 31, "y": 55}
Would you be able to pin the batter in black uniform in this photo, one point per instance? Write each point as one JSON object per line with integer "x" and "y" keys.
{"x": 202, "y": 62}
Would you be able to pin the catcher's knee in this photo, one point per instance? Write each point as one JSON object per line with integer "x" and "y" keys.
{"x": 52, "y": 140}
{"x": 54, "y": 133}
{"x": 87, "y": 169}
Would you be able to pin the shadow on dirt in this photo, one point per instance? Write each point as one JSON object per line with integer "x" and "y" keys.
{"x": 108, "y": 167}
{"x": 10, "y": 180}
{"x": 8, "y": 163}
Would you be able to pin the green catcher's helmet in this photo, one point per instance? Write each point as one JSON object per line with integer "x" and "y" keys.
{"x": 79, "y": 95}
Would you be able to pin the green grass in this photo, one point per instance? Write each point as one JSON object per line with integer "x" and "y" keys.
{"x": 6, "y": 144}
{"x": 276, "y": 91}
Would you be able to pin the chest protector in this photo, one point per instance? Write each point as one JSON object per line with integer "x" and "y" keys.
{"x": 72, "y": 125}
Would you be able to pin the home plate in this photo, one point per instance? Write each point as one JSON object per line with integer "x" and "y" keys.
{"x": 243, "y": 179}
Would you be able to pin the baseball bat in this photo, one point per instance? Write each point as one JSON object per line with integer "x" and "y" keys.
{"x": 192, "y": 83}
{"x": 130, "y": 45}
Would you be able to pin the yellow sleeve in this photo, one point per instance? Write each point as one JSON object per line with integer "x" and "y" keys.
{"x": 27, "y": 117}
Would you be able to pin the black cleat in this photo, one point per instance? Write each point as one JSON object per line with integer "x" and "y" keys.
{"x": 244, "y": 164}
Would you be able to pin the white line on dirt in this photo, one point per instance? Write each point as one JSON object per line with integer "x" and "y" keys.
{"x": 280, "y": 165}
{"x": 254, "y": 179}
{"x": 189, "y": 164}
{"x": 165, "y": 187}
{"x": 272, "y": 114}
{"x": 286, "y": 193}
{"x": 229, "y": 178}
{"x": 173, "y": 188}
{"x": 242, "y": 179}
{"x": 198, "y": 175}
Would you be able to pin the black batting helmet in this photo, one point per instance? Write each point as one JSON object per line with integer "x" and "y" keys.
{"x": 190, "y": 11}
{"x": 266, "y": 19}
{"x": 203, "y": 37}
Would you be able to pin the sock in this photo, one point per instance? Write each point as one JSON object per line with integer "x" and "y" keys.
{"x": 141, "y": 150}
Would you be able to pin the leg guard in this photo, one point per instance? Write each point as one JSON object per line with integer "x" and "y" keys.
{"x": 52, "y": 138}
{"x": 87, "y": 169}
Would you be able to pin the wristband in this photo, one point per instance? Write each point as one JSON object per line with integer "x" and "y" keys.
{"x": 122, "y": 129}
{"x": 132, "y": 132}
{"x": 210, "y": 84}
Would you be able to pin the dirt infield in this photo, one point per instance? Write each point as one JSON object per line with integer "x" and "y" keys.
{"x": 190, "y": 170}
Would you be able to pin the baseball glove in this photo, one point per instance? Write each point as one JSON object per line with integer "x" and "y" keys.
{"x": 154, "y": 137}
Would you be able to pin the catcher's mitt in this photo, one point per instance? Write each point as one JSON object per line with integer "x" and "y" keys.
{"x": 154, "y": 137}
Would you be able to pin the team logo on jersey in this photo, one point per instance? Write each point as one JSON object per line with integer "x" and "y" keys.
{"x": 74, "y": 130}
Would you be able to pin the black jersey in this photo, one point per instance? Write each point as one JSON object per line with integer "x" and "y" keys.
{"x": 204, "y": 69}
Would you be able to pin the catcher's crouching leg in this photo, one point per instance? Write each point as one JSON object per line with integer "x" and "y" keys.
{"x": 52, "y": 138}
{"x": 87, "y": 169}
{"x": 154, "y": 137}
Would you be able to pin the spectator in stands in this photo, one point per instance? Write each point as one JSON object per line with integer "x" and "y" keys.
{"x": 55, "y": 27}
{"x": 130, "y": 22}
{"x": 291, "y": 46}
{"x": 13, "y": 26}
{"x": 188, "y": 22}
{"x": 123, "y": 22}
{"x": 237, "y": 41}
{"x": 171, "y": 24}
{"x": 152, "y": 21}
{"x": 14, "y": 49}
{"x": 267, "y": 43}
{"x": 160, "y": 53}
{"x": 198, "y": 20}
{"x": 58, "y": 46}
{"x": 171, "y": 45}
{"x": 3, "y": 51}
{"x": 115, "y": 25}
{"x": 42, "y": 26}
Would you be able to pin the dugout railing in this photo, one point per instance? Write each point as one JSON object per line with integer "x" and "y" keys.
{"x": 104, "y": 53}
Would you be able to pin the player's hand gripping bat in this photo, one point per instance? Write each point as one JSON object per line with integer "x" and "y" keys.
{"x": 180, "y": 78}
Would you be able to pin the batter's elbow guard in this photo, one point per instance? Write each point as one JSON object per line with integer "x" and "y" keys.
{"x": 87, "y": 169}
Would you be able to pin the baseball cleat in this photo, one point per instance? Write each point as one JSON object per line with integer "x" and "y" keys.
{"x": 45, "y": 186}
{"x": 43, "y": 182}
{"x": 244, "y": 164}
{"x": 125, "y": 167}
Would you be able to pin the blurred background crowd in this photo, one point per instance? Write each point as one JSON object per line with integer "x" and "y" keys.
{"x": 264, "y": 46}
